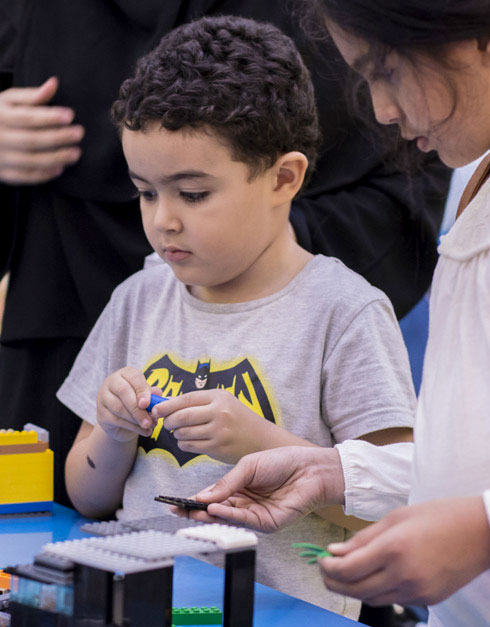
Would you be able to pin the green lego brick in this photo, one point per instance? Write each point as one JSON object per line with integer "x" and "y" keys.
{"x": 312, "y": 551}
{"x": 197, "y": 616}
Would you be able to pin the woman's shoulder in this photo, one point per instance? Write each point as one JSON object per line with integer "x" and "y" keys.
{"x": 470, "y": 234}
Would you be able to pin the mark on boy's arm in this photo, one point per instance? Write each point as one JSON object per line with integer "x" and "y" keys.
{"x": 90, "y": 462}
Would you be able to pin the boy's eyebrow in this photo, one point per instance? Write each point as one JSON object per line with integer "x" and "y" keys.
{"x": 178, "y": 176}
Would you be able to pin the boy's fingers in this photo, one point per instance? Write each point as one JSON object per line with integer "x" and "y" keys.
{"x": 114, "y": 403}
{"x": 189, "y": 417}
{"x": 185, "y": 401}
{"x": 198, "y": 432}
{"x": 139, "y": 384}
{"x": 31, "y": 95}
{"x": 126, "y": 386}
{"x": 107, "y": 417}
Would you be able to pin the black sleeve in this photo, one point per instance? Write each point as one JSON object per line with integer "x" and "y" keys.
{"x": 7, "y": 56}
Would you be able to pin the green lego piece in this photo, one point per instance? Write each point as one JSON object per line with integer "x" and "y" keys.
{"x": 312, "y": 551}
{"x": 197, "y": 616}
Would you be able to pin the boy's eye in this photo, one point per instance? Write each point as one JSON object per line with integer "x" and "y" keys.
{"x": 193, "y": 196}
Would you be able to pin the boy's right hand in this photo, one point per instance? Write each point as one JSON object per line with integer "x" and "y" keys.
{"x": 121, "y": 405}
{"x": 37, "y": 140}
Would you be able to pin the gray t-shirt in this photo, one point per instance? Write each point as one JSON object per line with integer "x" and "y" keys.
{"x": 323, "y": 358}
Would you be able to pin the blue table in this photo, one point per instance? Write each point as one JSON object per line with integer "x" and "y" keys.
{"x": 195, "y": 583}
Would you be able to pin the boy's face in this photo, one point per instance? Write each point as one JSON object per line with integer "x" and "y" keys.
{"x": 200, "y": 211}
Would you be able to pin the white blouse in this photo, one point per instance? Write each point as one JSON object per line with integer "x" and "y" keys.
{"x": 451, "y": 456}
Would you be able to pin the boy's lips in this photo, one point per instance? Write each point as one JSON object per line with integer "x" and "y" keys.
{"x": 173, "y": 254}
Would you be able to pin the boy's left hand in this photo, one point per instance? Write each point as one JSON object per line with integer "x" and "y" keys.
{"x": 212, "y": 422}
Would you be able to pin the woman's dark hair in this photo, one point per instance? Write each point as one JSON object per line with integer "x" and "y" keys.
{"x": 404, "y": 25}
{"x": 243, "y": 80}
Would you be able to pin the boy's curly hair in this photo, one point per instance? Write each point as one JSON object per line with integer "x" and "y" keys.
{"x": 243, "y": 80}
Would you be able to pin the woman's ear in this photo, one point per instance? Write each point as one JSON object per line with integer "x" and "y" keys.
{"x": 289, "y": 173}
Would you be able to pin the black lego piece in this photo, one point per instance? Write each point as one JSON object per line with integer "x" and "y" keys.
{"x": 144, "y": 599}
{"x": 186, "y": 504}
{"x": 238, "y": 606}
{"x": 26, "y": 616}
{"x": 92, "y": 602}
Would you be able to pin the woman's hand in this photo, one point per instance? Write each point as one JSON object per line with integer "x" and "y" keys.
{"x": 269, "y": 490}
{"x": 420, "y": 554}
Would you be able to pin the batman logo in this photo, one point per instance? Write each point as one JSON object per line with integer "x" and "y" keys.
{"x": 240, "y": 379}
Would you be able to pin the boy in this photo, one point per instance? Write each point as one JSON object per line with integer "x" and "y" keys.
{"x": 262, "y": 344}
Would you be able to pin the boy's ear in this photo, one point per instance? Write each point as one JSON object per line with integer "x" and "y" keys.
{"x": 289, "y": 172}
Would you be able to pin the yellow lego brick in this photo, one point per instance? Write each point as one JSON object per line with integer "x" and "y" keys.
{"x": 26, "y": 477}
{"x": 4, "y": 580}
{"x": 9, "y": 436}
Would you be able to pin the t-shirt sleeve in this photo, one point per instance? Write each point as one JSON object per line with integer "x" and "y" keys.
{"x": 367, "y": 384}
{"x": 92, "y": 365}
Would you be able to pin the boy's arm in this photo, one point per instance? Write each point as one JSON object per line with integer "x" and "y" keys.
{"x": 96, "y": 469}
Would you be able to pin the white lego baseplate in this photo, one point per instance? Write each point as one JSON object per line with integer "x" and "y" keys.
{"x": 139, "y": 551}
{"x": 102, "y": 559}
{"x": 224, "y": 536}
{"x": 130, "y": 552}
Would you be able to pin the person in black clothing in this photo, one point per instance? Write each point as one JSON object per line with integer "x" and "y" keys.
{"x": 70, "y": 229}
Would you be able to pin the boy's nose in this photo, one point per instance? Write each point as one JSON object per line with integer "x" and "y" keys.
{"x": 166, "y": 219}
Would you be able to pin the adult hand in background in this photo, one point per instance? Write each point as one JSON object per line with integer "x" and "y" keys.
{"x": 37, "y": 140}
{"x": 419, "y": 555}
{"x": 269, "y": 490}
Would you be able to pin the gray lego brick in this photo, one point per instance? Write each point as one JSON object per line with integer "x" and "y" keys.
{"x": 168, "y": 524}
{"x": 109, "y": 528}
{"x": 81, "y": 552}
{"x": 154, "y": 545}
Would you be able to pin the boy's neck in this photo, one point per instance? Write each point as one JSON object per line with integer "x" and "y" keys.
{"x": 271, "y": 272}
